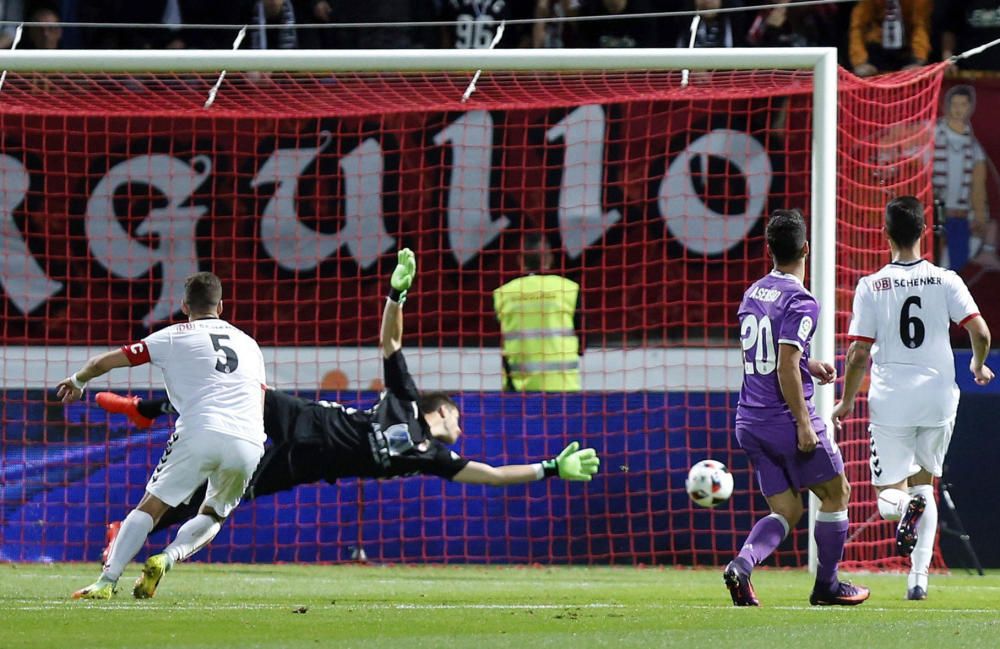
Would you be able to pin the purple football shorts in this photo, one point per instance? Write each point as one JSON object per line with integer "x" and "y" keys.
{"x": 773, "y": 450}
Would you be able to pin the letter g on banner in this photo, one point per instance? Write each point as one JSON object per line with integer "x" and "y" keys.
{"x": 683, "y": 206}
{"x": 175, "y": 224}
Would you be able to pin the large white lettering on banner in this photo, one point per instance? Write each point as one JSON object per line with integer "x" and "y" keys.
{"x": 470, "y": 226}
{"x": 689, "y": 218}
{"x": 24, "y": 281}
{"x": 582, "y": 219}
{"x": 174, "y": 225}
{"x": 297, "y": 247}
{"x": 723, "y": 167}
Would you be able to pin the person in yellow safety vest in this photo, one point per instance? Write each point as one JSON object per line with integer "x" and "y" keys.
{"x": 541, "y": 351}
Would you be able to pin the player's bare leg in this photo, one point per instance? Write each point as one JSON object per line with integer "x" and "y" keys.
{"x": 925, "y": 529}
{"x": 831, "y": 533}
{"x": 132, "y": 534}
{"x": 766, "y": 535}
{"x": 191, "y": 537}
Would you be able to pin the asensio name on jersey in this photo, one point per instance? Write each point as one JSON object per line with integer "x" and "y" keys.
{"x": 776, "y": 309}
{"x": 213, "y": 373}
{"x": 905, "y": 310}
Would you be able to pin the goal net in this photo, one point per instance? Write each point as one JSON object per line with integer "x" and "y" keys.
{"x": 297, "y": 188}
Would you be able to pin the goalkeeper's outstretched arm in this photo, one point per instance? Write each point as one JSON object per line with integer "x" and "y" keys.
{"x": 572, "y": 464}
{"x": 391, "y": 334}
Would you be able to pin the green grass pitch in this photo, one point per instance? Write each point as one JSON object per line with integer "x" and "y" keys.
{"x": 285, "y": 606}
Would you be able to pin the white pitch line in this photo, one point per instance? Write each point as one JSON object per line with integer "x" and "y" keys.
{"x": 61, "y": 604}
{"x": 824, "y": 609}
{"x": 489, "y": 606}
{"x": 119, "y": 606}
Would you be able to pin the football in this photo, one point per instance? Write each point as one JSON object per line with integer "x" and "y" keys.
{"x": 709, "y": 483}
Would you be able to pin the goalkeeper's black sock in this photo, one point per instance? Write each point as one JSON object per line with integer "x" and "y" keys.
{"x": 153, "y": 408}
{"x": 182, "y": 512}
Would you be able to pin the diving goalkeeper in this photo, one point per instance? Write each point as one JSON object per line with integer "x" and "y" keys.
{"x": 405, "y": 433}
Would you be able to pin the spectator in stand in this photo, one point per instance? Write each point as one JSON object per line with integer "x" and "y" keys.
{"x": 114, "y": 11}
{"x": 164, "y": 12}
{"x": 172, "y": 17}
{"x": 199, "y": 12}
{"x": 960, "y": 183}
{"x": 887, "y": 35}
{"x": 616, "y": 32}
{"x": 42, "y": 38}
{"x": 389, "y": 36}
{"x": 794, "y": 27}
{"x": 314, "y": 12}
{"x": 966, "y": 24}
{"x": 553, "y": 35}
{"x": 13, "y": 11}
{"x": 476, "y": 23}
{"x": 715, "y": 29}
{"x": 270, "y": 13}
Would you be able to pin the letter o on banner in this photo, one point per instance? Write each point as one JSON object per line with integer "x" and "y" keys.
{"x": 694, "y": 224}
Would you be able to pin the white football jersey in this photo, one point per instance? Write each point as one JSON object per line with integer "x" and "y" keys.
{"x": 905, "y": 311}
{"x": 214, "y": 375}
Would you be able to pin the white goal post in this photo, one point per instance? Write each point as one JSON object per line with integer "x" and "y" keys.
{"x": 821, "y": 61}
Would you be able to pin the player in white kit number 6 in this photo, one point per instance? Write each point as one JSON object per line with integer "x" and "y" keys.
{"x": 902, "y": 315}
{"x": 214, "y": 376}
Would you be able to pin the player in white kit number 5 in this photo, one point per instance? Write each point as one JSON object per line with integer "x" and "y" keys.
{"x": 214, "y": 376}
{"x": 902, "y": 315}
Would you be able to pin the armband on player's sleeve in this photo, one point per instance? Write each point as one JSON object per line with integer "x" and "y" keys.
{"x": 137, "y": 353}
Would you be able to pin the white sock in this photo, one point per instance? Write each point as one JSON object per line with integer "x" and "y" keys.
{"x": 920, "y": 560}
{"x": 134, "y": 530}
{"x": 193, "y": 536}
{"x": 892, "y": 503}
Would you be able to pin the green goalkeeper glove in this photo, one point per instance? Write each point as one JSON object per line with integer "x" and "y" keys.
{"x": 573, "y": 464}
{"x": 402, "y": 277}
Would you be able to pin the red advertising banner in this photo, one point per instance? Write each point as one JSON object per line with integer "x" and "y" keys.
{"x": 653, "y": 206}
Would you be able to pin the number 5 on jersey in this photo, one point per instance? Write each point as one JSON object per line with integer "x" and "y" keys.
{"x": 232, "y": 361}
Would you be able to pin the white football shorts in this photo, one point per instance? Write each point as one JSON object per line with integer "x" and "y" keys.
{"x": 897, "y": 452}
{"x": 227, "y": 462}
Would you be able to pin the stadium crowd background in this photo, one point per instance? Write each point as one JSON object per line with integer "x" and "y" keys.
{"x": 872, "y": 37}
{"x": 931, "y": 30}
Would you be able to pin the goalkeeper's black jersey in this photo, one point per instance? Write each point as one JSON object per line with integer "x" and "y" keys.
{"x": 325, "y": 440}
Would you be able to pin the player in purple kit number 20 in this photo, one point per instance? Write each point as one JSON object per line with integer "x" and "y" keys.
{"x": 776, "y": 423}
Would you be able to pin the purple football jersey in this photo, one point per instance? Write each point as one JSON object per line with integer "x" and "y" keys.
{"x": 776, "y": 309}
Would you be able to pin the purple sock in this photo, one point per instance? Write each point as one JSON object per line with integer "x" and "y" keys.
{"x": 830, "y": 534}
{"x": 766, "y": 535}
